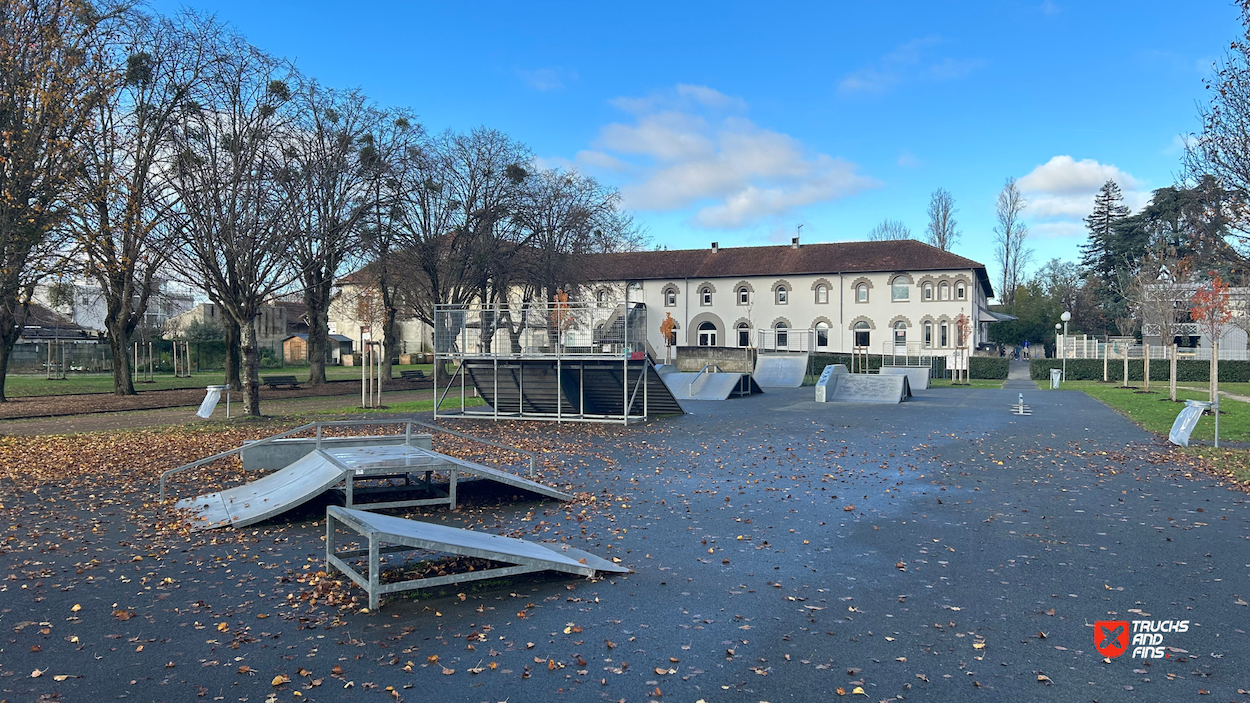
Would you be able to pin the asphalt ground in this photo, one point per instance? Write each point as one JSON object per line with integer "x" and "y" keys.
{"x": 941, "y": 549}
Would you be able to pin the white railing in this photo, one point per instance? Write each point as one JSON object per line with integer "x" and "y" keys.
{"x": 785, "y": 340}
{"x": 1095, "y": 349}
{"x": 539, "y": 329}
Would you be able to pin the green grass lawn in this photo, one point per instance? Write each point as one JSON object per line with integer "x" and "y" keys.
{"x": 1154, "y": 413}
{"x": 31, "y": 385}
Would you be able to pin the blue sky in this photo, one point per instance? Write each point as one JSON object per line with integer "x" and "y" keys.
{"x": 735, "y": 122}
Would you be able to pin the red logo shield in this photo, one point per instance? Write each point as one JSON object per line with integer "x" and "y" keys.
{"x": 1111, "y": 637}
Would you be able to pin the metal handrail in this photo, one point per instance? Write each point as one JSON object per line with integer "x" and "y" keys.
{"x": 703, "y": 374}
{"x": 341, "y": 423}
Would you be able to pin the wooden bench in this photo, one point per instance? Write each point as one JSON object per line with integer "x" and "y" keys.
{"x": 275, "y": 381}
{"x": 412, "y": 375}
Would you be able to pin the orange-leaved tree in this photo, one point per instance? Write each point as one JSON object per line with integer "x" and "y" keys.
{"x": 1211, "y": 310}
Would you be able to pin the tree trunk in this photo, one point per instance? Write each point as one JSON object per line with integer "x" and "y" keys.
{"x": 318, "y": 336}
{"x": 6, "y": 352}
{"x": 251, "y": 369}
{"x": 123, "y": 377}
{"x": 390, "y": 335}
{"x": 232, "y": 354}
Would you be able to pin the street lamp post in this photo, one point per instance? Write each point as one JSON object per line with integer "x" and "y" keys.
{"x": 1065, "y": 317}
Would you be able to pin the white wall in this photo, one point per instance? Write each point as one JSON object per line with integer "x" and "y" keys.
{"x": 801, "y": 310}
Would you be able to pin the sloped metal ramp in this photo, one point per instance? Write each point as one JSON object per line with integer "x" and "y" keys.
{"x": 710, "y": 386}
{"x": 785, "y": 370}
{"x": 404, "y": 535}
{"x": 266, "y": 497}
{"x": 322, "y": 469}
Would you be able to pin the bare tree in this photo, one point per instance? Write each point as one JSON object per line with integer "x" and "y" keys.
{"x": 122, "y": 210}
{"x": 329, "y": 199}
{"x": 51, "y": 52}
{"x": 942, "y": 230}
{"x": 236, "y": 243}
{"x": 1221, "y": 149}
{"x": 1009, "y": 236}
{"x": 889, "y": 230}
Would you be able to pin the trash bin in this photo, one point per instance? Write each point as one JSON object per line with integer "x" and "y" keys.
{"x": 1055, "y": 376}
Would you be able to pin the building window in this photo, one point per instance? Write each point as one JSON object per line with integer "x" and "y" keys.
{"x": 782, "y": 295}
{"x": 705, "y": 296}
{"x": 861, "y": 292}
{"x": 959, "y": 291}
{"x": 707, "y": 334}
{"x": 861, "y": 334}
{"x": 900, "y": 334}
{"x": 783, "y": 336}
{"x": 744, "y": 296}
{"x": 670, "y": 298}
{"x": 928, "y": 291}
{"x": 943, "y": 337}
{"x": 900, "y": 290}
{"x": 928, "y": 334}
{"x": 822, "y": 335}
{"x": 744, "y": 334}
{"x": 601, "y": 298}
{"x": 822, "y": 294}
{"x": 945, "y": 291}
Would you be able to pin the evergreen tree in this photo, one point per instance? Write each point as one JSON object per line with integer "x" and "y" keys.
{"x": 1104, "y": 256}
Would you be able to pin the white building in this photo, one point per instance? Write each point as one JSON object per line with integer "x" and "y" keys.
{"x": 82, "y": 302}
{"x": 875, "y": 295}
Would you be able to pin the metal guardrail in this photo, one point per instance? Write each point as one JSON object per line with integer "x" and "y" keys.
{"x": 318, "y": 426}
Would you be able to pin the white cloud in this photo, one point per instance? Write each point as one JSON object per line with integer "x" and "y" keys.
{"x": 906, "y": 159}
{"x": 546, "y": 79}
{"x": 733, "y": 172}
{"x": 1060, "y": 194}
{"x": 905, "y": 62}
{"x": 600, "y": 160}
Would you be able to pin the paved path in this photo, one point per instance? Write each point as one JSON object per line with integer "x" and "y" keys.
{"x": 1018, "y": 377}
{"x": 135, "y": 419}
{"x": 935, "y": 550}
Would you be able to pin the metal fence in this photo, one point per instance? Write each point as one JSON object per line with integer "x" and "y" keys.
{"x": 1097, "y": 349}
{"x": 539, "y": 329}
{"x": 785, "y": 340}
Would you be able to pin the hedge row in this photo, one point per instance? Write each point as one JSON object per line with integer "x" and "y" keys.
{"x": 986, "y": 367}
{"x": 1187, "y": 370}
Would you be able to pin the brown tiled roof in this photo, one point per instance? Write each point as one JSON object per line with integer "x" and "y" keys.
{"x": 839, "y": 257}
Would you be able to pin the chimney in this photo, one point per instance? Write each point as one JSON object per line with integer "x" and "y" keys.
{"x": 715, "y": 247}
{"x": 794, "y": 242}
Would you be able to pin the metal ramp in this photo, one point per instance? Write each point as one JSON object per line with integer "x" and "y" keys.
{"x": 782, "y": 370}
{"x": 710, "y": 386}
{"x": 264, "y": 498}
{"x": 404, "y": 535}
{"x": 323, "y": 469}
{"x": 587, "y": 388}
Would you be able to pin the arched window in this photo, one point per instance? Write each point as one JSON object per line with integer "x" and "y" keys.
{"x": 705, "y": 296}
{"x": 959, "y": 291}
{"x": 783, "y": 335}
{"x": 900, "y": 289}
{"x": 861, "y": 292}
{"x": 707, "y": 334}
{"x": 943, "y": 336}
{"x": 900, "y": 334}
{"x": 945, "y": 291}
{"x": 670, "y": 298}
{"x": 861, "y": 334}
{"x": 822, "y": 294}
{"x": 928, "y": 291}
{"x": 822, "y": 334}
{"x": 601, "y": 298}
{"x": 928, "y": 334}
{"x": 744, "y": 334}
{"x": 744, "y": 296}
{"x": 783, "y": 295}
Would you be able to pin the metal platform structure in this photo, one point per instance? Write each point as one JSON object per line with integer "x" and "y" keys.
{"x": 377, "y": 468}
{"x": 782, "y": 357}
{"x": 407, "y": 535}
{"x": 559, "y": 361}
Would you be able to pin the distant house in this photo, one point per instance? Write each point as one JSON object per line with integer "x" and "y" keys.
{"x": 295, "y": 349}
{"x": 271, "y": 322}
{"x": 356, "y": 312}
